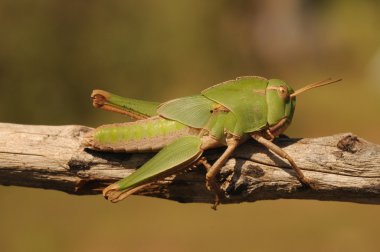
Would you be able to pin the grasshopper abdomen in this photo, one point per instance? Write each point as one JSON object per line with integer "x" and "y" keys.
{"x": 146, "y": 135}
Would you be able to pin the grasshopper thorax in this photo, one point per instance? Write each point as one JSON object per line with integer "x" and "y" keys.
{"x": 281, "y": 105}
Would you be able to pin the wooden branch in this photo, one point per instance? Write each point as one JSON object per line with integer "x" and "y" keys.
{"x": 344, "y": 167}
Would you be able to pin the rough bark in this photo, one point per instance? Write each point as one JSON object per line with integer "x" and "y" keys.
{"x": 343, "y": 166}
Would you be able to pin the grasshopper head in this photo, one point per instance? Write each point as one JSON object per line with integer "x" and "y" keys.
{"x": 281, "y": 100}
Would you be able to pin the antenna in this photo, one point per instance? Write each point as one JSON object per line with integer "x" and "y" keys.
{"x": 315, "y": 85}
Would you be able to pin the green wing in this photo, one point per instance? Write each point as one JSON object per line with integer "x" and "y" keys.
{"x": 136, "y": 109}
{"x": 193, "y": 111}
{"x": 245, "y": 97}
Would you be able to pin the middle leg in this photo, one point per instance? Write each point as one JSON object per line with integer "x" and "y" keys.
{"x": 211, "y": 184}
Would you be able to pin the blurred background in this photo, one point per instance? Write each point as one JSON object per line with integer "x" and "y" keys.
{"x": 53, "y": 53}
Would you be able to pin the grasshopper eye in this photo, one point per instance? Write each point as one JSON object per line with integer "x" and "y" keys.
{"x": 283, "y": 92}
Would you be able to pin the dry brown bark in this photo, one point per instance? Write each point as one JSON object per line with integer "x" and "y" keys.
{"x": 344, "y": 167}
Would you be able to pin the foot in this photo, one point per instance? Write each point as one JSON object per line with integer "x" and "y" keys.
{"x": 216, "y": 202}
{"x": 214, "y": 188}
{"x": 308, "y": 183}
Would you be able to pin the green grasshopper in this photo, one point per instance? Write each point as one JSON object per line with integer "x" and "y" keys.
{"x": 226, "y": 114}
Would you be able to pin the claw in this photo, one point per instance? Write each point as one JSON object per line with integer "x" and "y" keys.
{"x": 213, "y": 187}
{"x": 216, "y": 202}
{"x": 309, "y": 183}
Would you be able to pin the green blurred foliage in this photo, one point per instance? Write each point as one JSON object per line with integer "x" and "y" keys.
{"x": 53, "y": 53}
